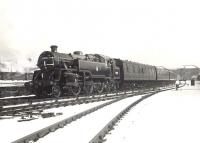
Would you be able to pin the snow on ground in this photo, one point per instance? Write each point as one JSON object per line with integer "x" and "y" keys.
{"x": 4, "y": 83}
{"x": 84, "y": 129}
{"x": 170, "y": 116}
{"x": 12, "y": 130}
{"x": 167, "y": 117}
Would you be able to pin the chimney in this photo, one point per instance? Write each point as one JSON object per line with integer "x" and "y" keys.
{"x": 54, "y": 48}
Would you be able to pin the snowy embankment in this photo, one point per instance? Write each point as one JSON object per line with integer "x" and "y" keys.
{"x": 168, "y": 117}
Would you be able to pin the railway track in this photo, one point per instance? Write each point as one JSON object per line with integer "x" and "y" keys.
{"x": 30, "y": 105}
{"x": 20, "y": 105}
{"x": 8, "y": 91}
{"x": 99, "y": 137}
{"x": 8, "y": 101}
{"x": 32, "y": 99}
{"x": 17, "y": 105}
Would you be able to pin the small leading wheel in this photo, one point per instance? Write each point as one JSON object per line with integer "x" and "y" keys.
{"x": 56, "y": 91}
{"x": 75, "y": 90}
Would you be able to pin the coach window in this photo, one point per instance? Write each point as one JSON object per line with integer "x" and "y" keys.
{"x": 152, "y": 71}
{"x": 133, "y": 68}
{"x": 138, "y": 69}
{"x": 142, "y": 70}
{"x": 127, "y": 67}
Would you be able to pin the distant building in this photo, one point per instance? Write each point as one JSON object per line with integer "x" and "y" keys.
{"x": 188, "y": 73}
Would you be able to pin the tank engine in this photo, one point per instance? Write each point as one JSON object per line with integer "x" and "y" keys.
{"x": 72, "y": 74}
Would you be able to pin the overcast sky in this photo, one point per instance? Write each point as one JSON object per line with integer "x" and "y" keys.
{"x": 153, "y": 32}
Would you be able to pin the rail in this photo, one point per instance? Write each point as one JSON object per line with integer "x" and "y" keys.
{"x": 41, "y": 133}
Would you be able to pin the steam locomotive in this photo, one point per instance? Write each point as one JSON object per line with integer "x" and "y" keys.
{"x": 72, "y": 74}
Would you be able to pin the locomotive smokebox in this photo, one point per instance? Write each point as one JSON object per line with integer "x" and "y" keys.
{"x": 54, "y": 48}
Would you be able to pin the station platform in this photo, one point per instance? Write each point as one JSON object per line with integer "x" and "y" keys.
{"x": 167, "y": 117}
